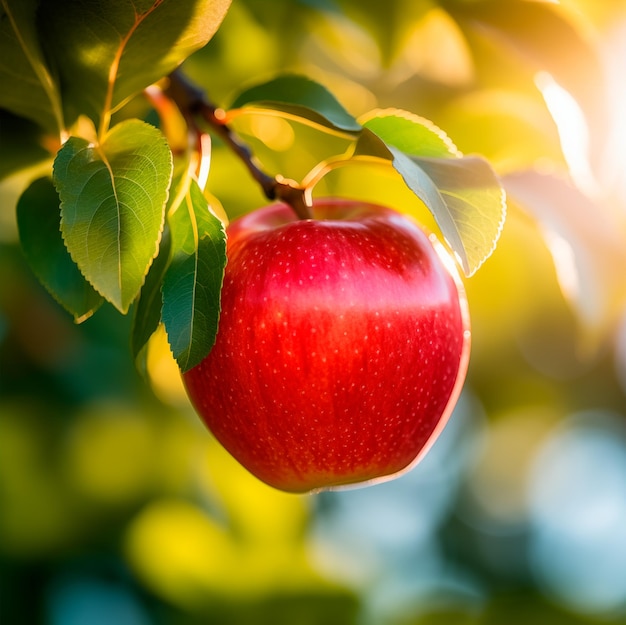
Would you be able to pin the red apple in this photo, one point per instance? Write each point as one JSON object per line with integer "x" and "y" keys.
{"x": 342, "y": 347}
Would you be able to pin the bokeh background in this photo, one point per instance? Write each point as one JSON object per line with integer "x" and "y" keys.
{"x": 117, "y": 507}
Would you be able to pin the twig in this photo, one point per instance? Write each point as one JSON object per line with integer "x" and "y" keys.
{"x": 192, "y": 101}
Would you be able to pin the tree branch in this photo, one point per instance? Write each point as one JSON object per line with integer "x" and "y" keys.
{"x": 192, "y": 101}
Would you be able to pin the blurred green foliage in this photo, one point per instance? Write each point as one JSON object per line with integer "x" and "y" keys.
{"x": 117, "y": 507}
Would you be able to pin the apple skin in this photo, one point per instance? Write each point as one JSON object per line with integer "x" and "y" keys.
{"x": 342, "y": 347}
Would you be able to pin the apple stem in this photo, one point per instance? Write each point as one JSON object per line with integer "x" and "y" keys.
{"x": 192, "y": 102}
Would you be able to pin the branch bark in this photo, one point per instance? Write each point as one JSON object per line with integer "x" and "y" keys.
{"x": 193, "y": 102}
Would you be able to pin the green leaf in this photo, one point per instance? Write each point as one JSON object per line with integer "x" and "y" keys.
{"x": 112, "y": 206}
{"x": 38, "y": 218}
{"x": 300, "y": 98}
{"x": 463, "y": 193}
{"x": 193, "y": 281}
{"x": 475, "y": 202}
{"x": 27, "y": 86}
{"x": 147, "y": 314}
{"x": 413, "y": 135}
{"x": 119, "y": 48}
{"x": 148, "y": 308}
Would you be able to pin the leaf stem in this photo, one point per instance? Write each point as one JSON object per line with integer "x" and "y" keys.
{"x": 192, "y": 101}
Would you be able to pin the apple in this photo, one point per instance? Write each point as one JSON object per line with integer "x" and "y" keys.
{"x": 342, "y": 347}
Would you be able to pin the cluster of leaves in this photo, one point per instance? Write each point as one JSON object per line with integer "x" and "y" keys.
{"x": 119, "y": 218}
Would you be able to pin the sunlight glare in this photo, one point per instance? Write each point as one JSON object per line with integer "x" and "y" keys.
{"x": 205, "y": 160}
{"x": 564, "y": 263}
{"x": 573, "y": 131}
